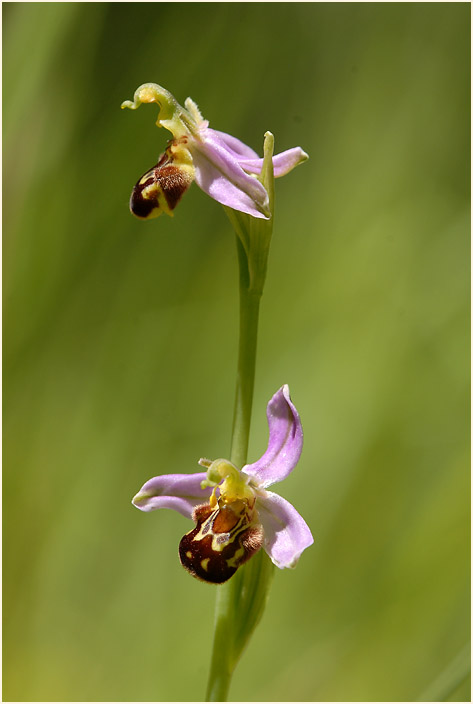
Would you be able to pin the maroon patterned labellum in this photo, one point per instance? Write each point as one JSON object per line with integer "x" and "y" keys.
{"x": 160, "y": 189}
{"x": 223, "y": 539}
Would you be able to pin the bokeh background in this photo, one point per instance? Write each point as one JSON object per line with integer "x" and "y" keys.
{"x": 120, "y": 346}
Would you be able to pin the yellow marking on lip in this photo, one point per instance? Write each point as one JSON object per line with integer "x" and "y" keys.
{"x": 233, "y": 561}
{"x": 204, "y": 563}
{"x": 146, "y": 177}
{"x": 189, "y": 554}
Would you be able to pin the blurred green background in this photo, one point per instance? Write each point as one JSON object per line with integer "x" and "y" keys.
{"x": 120, "y": 346}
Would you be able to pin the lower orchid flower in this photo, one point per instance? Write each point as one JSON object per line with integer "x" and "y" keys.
{"x": 222, "y": 166}
{"x": 234, "y": 513}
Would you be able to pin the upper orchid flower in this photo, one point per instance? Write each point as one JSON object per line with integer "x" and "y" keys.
{"x": 234, "y": 513}
{"x": 222, "y": 166}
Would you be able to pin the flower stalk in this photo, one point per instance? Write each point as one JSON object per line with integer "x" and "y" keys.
{"x": 249, "y": 317}
{"x": 240, "y": 602}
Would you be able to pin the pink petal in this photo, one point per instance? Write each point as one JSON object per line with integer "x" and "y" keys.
{"x": 286, "y": 534}
{"x": 282, "y": 163}
{"x": 285, "y": 441}
{"x": 218, "y": 187}
{"x": 241, "y": 150}
{"x": 219, "y": 174}
{"x": 180, "y": 492}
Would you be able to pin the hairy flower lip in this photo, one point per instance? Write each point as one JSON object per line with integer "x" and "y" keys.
{"x": 286, "y": 534}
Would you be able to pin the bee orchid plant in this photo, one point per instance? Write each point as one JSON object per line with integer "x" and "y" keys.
{"x": 239, "y": 523}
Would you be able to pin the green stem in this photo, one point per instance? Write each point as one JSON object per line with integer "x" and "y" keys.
{"x": 249, "y": 315}
{"x": 227, "y": 646}
{"x": 241, "y": 600}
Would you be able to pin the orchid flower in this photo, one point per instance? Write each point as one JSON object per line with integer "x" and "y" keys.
{"x": 235, "y": 514}
{"x": 221, "y": 165}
